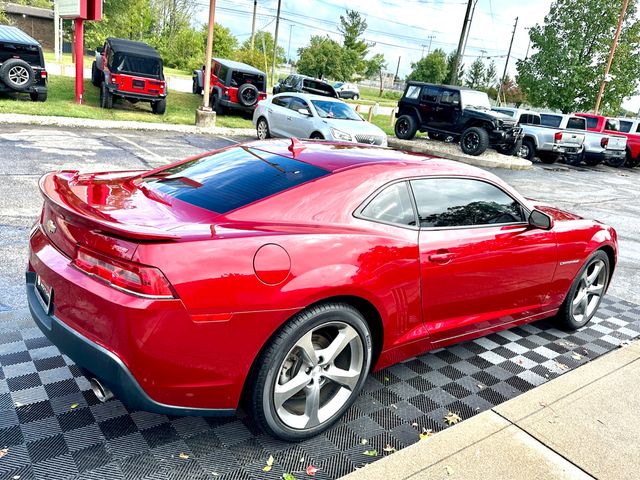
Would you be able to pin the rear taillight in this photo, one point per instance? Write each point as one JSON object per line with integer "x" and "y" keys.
{"x": 558, "y": 136}
{"x": 604, "y": 142}
{"x": 43, "y": 74}
{"x": 127, "y": 276}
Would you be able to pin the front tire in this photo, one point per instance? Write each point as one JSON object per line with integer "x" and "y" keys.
{"x": 321, "y": 359}
{"x": 316, "y": 136}
{"x": 528, "y": 149}
{"x": 159, "y": 107}
{"x": 586, "y": 292}
{"x": 406, "y": 127}
{"x": 356, "y": 96}
{"x": 262, "y": 129}
{"x": 106, "y": 98}
{"x": 474, "y": 141}
{"x": 512, "y": 150}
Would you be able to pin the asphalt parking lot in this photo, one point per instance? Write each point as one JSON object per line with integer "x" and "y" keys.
{"x": 54, "y": 427}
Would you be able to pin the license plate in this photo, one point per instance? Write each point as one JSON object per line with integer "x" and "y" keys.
{"x": 138, "y": 84}
{"x": 44, "y": 294}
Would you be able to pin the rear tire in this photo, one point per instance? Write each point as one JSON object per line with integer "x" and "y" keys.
{"x": 106, "y": 98}
{"x": 159, "y": 106}
{"x": 96, "y": 75}
{"x": 548, "y": 158}
{"x": 586, "y": 292}
{"x": 591, "y": 161}
{"x": 405, "y": 127}
{"x": 17, "y": 75}
{"x": 262, "y": 129}
{"x": 311, "y": 371}
{"x": 474, "y": 141}
{"x": 356, "y": 96}
{"x": 195, "y": 87}
{"x": 38, "y": 96}
{"x": 630, "y": 162}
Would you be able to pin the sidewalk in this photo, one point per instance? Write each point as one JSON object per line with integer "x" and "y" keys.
{"x": 584, "y": 424}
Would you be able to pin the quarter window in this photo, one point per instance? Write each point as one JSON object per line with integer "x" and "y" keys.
{"x": 625, "y": 126}
{"x": 463, "y": 202}
{"x": 413, "y": 92}
{"x": 392, "y": 205}
{"x": 281, "y": 101}
{"x": 592, "y": 122}
{"x": 550, "y": 120}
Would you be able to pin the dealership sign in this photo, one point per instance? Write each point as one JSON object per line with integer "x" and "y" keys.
{"x": 84, "y": 9}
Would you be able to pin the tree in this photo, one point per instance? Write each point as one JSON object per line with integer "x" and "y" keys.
{"x": 511, "y": 93}
{"x": 352, "y": 27}
{"x": 476, "y": 74}
{"x": 264, "y": 43}
{"x": 490, "y": 75}
{"x": 432, "y": 68}
{"x": 571, "y": 49}
{"x": 324, "y": 57}
{"x": 375, "y": 68}
{"x": 131, "y": 19}
{"x": 451, "y": 58}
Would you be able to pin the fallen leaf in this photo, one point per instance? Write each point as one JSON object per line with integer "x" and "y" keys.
{"x": 576, "y": 356}
{"x": 18, "y": 404}
{"x": 449, "y": 470}
{"x": 426, "y": 433}
{"x": 74, "y": 406}
{"x": 364, "y": 441}
{"x": 389, "y": 449}
{"x": 562, "y": 366}
{"x": 481, "y": 386}
{"x": 288, "y": 476}
{"x": 301, "y": 459}
{"x": 3, "y": 452}
{"x": 15, "y": 477}
{"x": 183, "y": 456}
{"x": 394, "y": 406}
{"x": 311, "y": 470}
{"x": 370, "y": 453}
{"x": 386, "y": 379}
{"x": 414, "y": 424}
{"x": 267, "y": 467}
{"x": 452, "y": 418}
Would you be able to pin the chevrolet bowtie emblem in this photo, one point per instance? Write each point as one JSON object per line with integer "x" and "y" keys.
{"x": 51, "y": 226}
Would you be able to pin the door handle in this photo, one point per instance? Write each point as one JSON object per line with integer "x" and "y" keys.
{"x": 269, "y": 110}
{"x": 442, "y": 258}
{"x": 288, "y": 118}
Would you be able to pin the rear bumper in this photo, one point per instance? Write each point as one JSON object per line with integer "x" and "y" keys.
{"x": 236, "y": 106}
{"x": 604, "y": 155}
{"x": 102, "y": 363}
{"x": 134, "y": 95}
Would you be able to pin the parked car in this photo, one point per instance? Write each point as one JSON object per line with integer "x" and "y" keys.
{"x": 460, "y": 113}
{"x": 548, "y": 144}
{"x": 303, "y": 84}
{"x": 131, "y": 71}
{"x": 234, "y": 85}
{"x": 598, "y": 147}
{"x": 313, "y": 116}
{"x": 282, "y": 272}
{"x": 22, "y": 68}
{"x": 602, "y": 124}
{"x": 347, "y": 90}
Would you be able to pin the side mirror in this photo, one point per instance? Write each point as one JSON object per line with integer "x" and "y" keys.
{"x": 540, "y": 220}
{"x": 304, "y": 111}
{"x": 100, "y": 50}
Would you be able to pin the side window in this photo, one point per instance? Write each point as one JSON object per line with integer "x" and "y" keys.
{"x": 529, "y": 119}
{"x": 392, "y": 205}
{"x": 625, "y": 126}
{"x": 550, "y": 120}
{"x": 297, "y": 103}
{"x": 612, "y": 125}
{"x": 450, "y": 97}
{"x": 413, "y": 92}
{"x": 216, "y": 69}
{"x": 638, "y": 129}
{"x": 222, "y": 74}
{"x": 461, "y": 202}
{"x": 430, "y": 94}
{"x": 288, "y": 81}
{"x": 577, "y": 123}
{"x": 281, "y": 101}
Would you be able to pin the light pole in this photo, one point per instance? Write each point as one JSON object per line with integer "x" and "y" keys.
{"x": 275, "y": 45}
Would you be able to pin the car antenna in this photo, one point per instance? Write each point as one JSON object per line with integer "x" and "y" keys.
{"x": 296, "y": 146}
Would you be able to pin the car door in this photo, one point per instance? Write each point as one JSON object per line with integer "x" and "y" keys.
{"x": 448, "y": 110}
{"x": 277, "y": 112}
{"x": 482, "y": 265}
{"x": 299, "y": 124}
{"x": 428, "y": 105}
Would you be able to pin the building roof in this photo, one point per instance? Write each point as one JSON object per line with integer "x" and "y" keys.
{"x": 135, "y": 48}
{"x": 15, "y": 35}
{"x": 239, "y": 66}
{"x": 16, "y": 9}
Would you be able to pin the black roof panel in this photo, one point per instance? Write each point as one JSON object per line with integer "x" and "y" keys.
{"x": 15, "y": 35}
{"x": 135, "y": 48}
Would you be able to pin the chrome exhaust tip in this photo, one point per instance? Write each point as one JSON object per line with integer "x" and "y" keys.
{"x": 101, "y": 392}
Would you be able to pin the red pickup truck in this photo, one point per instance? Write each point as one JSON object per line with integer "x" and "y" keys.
{"x": 601, "y": 124}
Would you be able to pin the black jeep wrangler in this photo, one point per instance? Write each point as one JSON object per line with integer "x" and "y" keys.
{"x": 129, "y": 70}
{"x": 456, "y": 113}
{"x": 22, "y": 64}
{"x": 304, "y": 84}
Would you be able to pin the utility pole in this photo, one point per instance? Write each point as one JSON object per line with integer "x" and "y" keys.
{"x": 466, "y": 38}
{"x": 253, "y": 23}
{"x": 56, "y": 29}
{"x": 207, "y": 67}
{"x": 395, "y": 79}
{"x": 506, "y": 64}
{"x": 611, "y": 54}
{"x": 289, "y": 48}
{"x": 454, "y": 71}
{"x": 275, "y": 44}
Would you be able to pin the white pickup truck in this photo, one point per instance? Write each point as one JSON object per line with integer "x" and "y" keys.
{"x": 598, "y": 147}
{"x": 548, "y": 144}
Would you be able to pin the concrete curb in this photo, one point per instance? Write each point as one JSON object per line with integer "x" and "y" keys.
{"x": 74, "y": 122}
{"x": 430, "y": 148}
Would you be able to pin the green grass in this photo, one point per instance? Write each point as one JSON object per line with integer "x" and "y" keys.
{"x": 181, "y": 107}
{"x": 370, "y": 96}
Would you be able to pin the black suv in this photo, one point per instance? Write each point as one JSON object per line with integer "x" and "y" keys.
{"x": 22, "y": 67}
{"x": 304, "y": 84}
{"x": 457, "y": 113}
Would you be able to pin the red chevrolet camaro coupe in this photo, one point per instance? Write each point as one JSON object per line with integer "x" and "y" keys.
{"x": 282, "y": 272}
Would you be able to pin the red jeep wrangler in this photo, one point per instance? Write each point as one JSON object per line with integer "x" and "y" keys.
{"x": 129, "y": 70}
{"x": 234, "y": 85}
{"x": 601, "y": 124}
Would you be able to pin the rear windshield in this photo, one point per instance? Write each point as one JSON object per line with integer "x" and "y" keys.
{"x": 318, "y": 88}
{"x": 240, "y": 78}
{"x": 233, "y": 178}
{"x": 135, "y": 65}
{"x": 28, "y": 53}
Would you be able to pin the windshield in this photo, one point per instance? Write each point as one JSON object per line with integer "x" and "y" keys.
{"x": 338, "y": 85}
{"x": 335, "y": 110}
{"x": 473, "y": 99}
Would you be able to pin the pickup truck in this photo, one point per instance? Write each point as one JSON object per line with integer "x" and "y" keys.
{"x": 598, "y": 147}
{"x": 602, "y": 124}
{"x": 548, "y": 144}
{"x": 629, "y": 125}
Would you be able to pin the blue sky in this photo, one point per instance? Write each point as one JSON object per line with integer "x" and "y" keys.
{"x": 400, "y": 28}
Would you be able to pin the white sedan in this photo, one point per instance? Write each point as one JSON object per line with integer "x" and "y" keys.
{"x": 312, "y": 116}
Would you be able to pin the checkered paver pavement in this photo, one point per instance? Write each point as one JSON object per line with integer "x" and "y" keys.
{"x": 53, "y": 427}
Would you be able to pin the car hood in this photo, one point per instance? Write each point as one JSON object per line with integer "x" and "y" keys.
{"x": 490, "y": 114}
{"x": 354, "y": 127}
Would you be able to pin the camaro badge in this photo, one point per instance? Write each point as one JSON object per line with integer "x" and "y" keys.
{"x": 51, "y": 226}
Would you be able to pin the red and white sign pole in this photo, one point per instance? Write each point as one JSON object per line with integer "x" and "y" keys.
{"x": 79, "y": 22}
